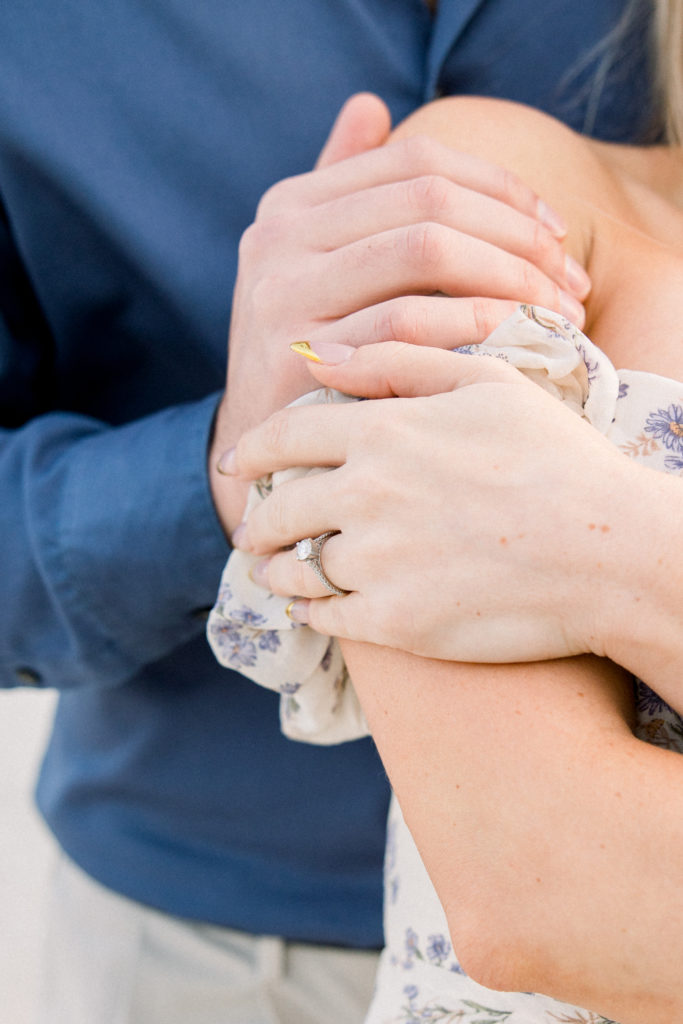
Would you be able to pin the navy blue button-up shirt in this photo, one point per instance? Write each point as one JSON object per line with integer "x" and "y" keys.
{"x": 135, "y": 141}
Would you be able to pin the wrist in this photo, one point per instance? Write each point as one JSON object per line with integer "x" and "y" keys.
{"x": 641, "y": 609}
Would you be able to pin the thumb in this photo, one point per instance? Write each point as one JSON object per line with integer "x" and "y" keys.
{"x": 395, "y": 369}
{"x": 363, "y": 123}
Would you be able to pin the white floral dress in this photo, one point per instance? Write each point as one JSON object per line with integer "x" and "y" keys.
{"x": 420, "y": 979}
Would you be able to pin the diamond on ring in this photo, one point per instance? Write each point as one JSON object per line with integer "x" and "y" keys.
{"x": 305, "y": 549}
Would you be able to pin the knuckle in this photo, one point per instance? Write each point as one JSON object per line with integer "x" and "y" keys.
{"x": 268, "y": 202}
{"x": 420, "y": 154}
{"x": 397, "y": 321}
{"x": 256, "y": 240}
{"x": 529, "y": 282}
{"x": 424, "y": 245}
{"x": 275, "y": 199}
{"x": 274, "y": 433}
{"x": 511, "y": 190}
{"x": 486, "y": 317}
{"x": 429, "y": 194}
{"x": 248, "y": 244}
{"x": 249, "y": 460}
{"x": 543, "y": 246}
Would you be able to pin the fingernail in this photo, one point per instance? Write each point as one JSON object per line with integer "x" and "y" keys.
{"x": 239, "y": 537}
{"x": 227, "y": 464}
{"x": 303, "y": 348}
{"x": 552, "y": 219}
{"x": 259, "y": 572}
{"x": 297, "y": 610}
{"x": 572, "y": 309}
{"x": 577, "y": 278}
{"x": 327, "y": 352}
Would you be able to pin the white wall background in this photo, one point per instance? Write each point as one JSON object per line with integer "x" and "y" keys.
{"x": 26, "y": 851}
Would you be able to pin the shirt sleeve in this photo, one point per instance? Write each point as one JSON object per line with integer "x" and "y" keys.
{"x": 110, "y": 546}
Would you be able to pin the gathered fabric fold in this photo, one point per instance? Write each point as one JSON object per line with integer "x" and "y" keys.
{"x": 248, "y": 628}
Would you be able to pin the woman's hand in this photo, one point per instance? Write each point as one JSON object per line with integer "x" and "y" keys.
{"x": 481, "y": 522}
{"x": 408, "y": 241}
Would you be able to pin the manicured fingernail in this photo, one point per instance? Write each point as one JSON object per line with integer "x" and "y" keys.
{"x": 297, "y": 610}
{"x": 303, "y": 348}
{"x": 227, "y": 464}
{"x": 552, "y": 219}
{"x": 572, "y": 309}
{"x": 578, "y": 280}
{"x": 239, "y": 537}
{"x": 327, "y": 352}
{"x": 259, "y": 573}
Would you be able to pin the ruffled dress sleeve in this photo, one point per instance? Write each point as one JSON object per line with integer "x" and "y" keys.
{"x": 249, "y": 630}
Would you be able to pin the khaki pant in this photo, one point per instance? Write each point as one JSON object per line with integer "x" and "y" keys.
{"x": 111, "y": 961}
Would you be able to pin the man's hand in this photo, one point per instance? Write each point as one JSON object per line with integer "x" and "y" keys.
{"x": 409, "y": 241}
{"x": 261, "y": 379}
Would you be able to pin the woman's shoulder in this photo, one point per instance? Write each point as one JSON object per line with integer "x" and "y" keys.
{"x": 625, "y": 220}
{"x": 563, "y": 167}
{"x": 496, "y": 128}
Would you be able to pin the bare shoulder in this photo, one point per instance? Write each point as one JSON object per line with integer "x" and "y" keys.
{"x": 541, "y": 150}
{"x": 564, "y": 168}
{"x": 623, "y": 205}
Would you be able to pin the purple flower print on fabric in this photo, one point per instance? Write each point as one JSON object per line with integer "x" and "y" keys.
{"x": 667, "y": 426}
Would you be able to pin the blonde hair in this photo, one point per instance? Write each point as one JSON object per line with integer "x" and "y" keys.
{"x": 668, "y": 39}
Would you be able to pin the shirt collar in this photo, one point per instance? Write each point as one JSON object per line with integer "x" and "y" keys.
{"x": 450, "y": 20}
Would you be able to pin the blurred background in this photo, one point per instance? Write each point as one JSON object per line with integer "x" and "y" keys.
{"x": 26, "y": 850}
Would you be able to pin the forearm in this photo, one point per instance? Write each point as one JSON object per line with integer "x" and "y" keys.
{"x": 111, "y": 546}
{"x": 636, "y": 565}
{"x": 538, "y": 818}
{"x": 640, "y": 613}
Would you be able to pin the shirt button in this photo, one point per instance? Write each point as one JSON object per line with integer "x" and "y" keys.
{"x": 28, "y": 676}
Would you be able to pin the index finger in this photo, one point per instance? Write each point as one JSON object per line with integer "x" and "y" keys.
{"x": 396, "y": 369}
{"x": 307, "y": 436}
{"x": 322, "y": 435}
